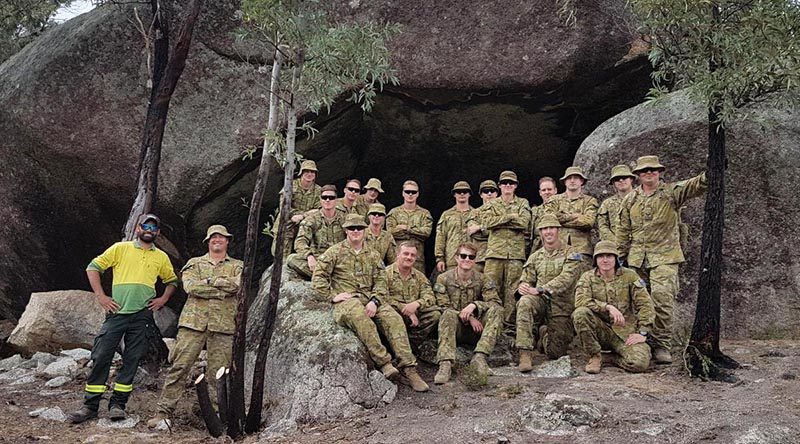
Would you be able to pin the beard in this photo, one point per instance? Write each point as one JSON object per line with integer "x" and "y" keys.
{"x": 146, "y": 237}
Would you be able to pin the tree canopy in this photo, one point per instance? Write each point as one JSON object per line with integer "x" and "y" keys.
{"x": 22, "y": 20}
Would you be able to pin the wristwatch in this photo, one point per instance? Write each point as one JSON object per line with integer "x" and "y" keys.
{"x": 643, "y": 333}
{"x": 375, "y": 301}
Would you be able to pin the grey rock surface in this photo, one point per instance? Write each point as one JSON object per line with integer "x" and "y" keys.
{"x": 42, "y": 358}
{"x": 26, "y": 379}
{"x": 53, "y": 414}
{"x": 559, "y": 414}
{"x": 46, "y": 326}
{"x": 58, "y": 381}
{"x": 166, "y": 321}
{"x": 64, "y": 366}
{"x": 559, "y": 368}
{"x": 761, "y": 264}
{"x": 11, "y": 362}
{"x": 768, "y": 434}
{"x": 77, "y": 353}
{"x": 318, "y": 371}
{"x": 14, "y": 374}
{"x": 127, "y": 423}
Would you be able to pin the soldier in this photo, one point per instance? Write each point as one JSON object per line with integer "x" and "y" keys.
{"x": 350, "y": 202}
{"x": 479, "y": 235}
{"x": 451, "y": 230}
{"x": 613, "y": 311}
{"x": 137, "y": 264}
{"x": 576, "y": 212}
{"x": 649, "y": 235}
{"x": 377, "y": 238}
{"x": 411, "y": 295}
{"x": 472, "y": 313}
{"x": 507, "y": 218}
{"x": 318, "y": 231}
{"x": 372, "y": 190}
{"x": 305, "y": 197}
{"x": 351, "y": 277}
{"x": 546, "y": 291}
{"x": 411, "y": 222}
{"x": 211, "y": 282}
{"x": 547, "y": 189}
{"x": 608, "y": 215}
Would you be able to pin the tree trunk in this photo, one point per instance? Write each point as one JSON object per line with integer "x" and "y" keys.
{"x": 236, "y": 412}
{"x": 222, "y": 394}
{"x": 164, "y": 82}
{"x": 257, "y": 396}
{"x": 213, "y": 424}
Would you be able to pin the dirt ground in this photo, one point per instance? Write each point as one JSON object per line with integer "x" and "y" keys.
{"x": 661, "y": 406}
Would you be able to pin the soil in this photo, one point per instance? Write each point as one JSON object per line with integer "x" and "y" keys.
{"x": 661, "y": 406}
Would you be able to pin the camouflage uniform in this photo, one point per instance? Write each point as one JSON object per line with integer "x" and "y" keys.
{"x": 419, "y": 222}
{"x": 535, "y": 241}
{"x": 453, "y": 295}
{"x": 317, "y": 233}
{"x": 416, "y": 288}
{"x": 384, "y": 244}
{"x": 505, "y": 252}
{"x": 576, "y": 233}
{"x": 207, "y": 319}
{"x": 649, "y": 235}
{"x": 359, "y": 207}
{"x": 363, "y": 205}
{"x": 343, "y": 269}
{"x": 481, "y": 238}
{"x": 557, "y": 271}
{"x": 450, "y": 233}
{"x": 594, "y": 326}
{"x": 302, "y": 202}
{"x": 608, "y": 218}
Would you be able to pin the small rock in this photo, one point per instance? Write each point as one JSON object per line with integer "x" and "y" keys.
{"x": 58, "y": 381}
{"x": 560, "y": 368}
{"x": 44, "y": 358}
{"x": 559, "y": 415}
{"x": 27, "y": 379}
{"x": 164, "y": 425}
{"x": 279, "y": 429}
{"x": 14, "y": 374}
{"x": 117, "y": 356}
{"x": 37, "y": 412}
{"x": 789, "y": 376}
{"x": 77, "y": 353}
{"x": 9, "y": 363}
{"x": 772, "y": 354}
{"x": 502, "y": 440}
{"x": 768, "y": 434}
{"x": 127, "y": 423}
{"x": 64, "y": 366}
{"x": 651, "y": 430}
{"x": 489, "y": 427}
{"x": 53, "y": 414}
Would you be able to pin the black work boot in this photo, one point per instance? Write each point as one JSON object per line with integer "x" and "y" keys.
{"x": 81, "y": 415}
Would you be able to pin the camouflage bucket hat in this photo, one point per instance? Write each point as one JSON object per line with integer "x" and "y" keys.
{"x": 462, "y": 185}
{"x": 574, "y": 170}
{"x": 377, "y": 208}
{"x": 645, "y": 162}
{"x": 354, "y": 220}
{"x": 217, "y": 229}
{"x": 620, "y": 171}
{"x": 508, "y": 175}
{"x": 605, "y": 247}
{"x": 375, "y": 184}
{"x": 488, "y": 184}
{"x": 308, "y": 165}
{"x": 548, "y": 221}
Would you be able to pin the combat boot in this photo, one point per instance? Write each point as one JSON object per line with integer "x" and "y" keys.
{"x": 595, "y": 364}
{"x": 525, "y": 361}
{"x": 81, "y": 415}
{"x": 389, "y": 371}
{"x": 662, "y": 356}
{"x": 443, "y": 375}
{"x": 116, "y": 413}
{"x": 412, "y": 378}
{"x": 478, "y": 362}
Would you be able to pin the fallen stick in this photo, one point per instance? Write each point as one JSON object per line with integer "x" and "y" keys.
{"x": 222, "y": 394}
{"x": 213, "y": 424}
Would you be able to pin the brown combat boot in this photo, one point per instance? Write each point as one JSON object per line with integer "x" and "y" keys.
{"x": 595, "y": 364}
{"x": 525, "y": 361}
{"x": 662, "y": 356}
{"x": 389, "y": 371}
{"x": 412, "y": 378}
{"x": 443, "y": 375}
{"x": 478, "y": 362}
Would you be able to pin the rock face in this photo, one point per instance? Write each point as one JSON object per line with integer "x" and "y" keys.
{"x": 72, "y": 105}
{"x": 58, "y": 320}
{"x": 761, "y": 275}
{"x": 316, "y": 370}
{"x": 559, "y": 414}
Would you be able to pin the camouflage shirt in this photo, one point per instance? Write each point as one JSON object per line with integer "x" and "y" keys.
{"x": 343, "y": 269}
{"x": 317, "y": 233}
{"x": 455, "y": 294}
{"x": 533, "y": 234}
{"x": 419, "y": 223}
{"x": 481, "y": 237}
{"x": 557, "y": 271}
{"x": 302, "y": 202}
{"x": 360, "y": 206}
{"x": 507, "y": 223}
{"x": 649, "y": 230}
{"x": 402, "y": 291}
{"x": 626, "y": 292}
{"x": 574, "y": 232}
{"x": 384, "y": 244}
{"x": 450, "y": 233}
{"x": 608, "y": 218}
{"x": 211, "y": 289}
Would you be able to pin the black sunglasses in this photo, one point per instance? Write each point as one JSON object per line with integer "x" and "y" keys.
{"x": 355, "y": 190}
{"x": 461, "y": 192}
{"x": 507, "y": 182}
{"x": 354, "y": 228}
{"x": 376, "y": 214}
{"x": 412, "y": 192}
{"x": 327, "y": 197}
{"x": 648, "y": 170}
{"x": 467, "y": 256}
{"x": 488, "y": 190}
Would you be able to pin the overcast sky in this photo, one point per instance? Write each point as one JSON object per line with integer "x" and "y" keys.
{"x": 77, "y": 7}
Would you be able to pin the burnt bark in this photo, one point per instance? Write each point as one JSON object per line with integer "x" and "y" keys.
{"x": 222, "y": 394}
{"x": 213, "y": 424}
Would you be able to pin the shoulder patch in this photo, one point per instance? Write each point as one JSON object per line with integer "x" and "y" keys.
{"x": 575, "y": 257}
{"x": 439, "y": 288}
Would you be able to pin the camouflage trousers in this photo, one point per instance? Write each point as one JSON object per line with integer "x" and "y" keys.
{"x": 299, "y": 265}
{"x": 663, "y": 283}
{"x": 534, "y": 312}
{"x": 291, "y": 234}
{"x": 452, "y": 332}
{"x": 596, "y": 335}
{"x": 350, "y": 314}
{"x": 505, "y": 273}
{"x": 428, "y": 321}
{"x": 188, "y": 346}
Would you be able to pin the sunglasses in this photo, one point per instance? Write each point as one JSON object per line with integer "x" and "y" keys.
{"x": 412, "y": 192}
{"x": 488, "y": 191}
{"x": 328, "y": 197}
{"x": 467, "y": 256}
{"x": 648, "y": 170}
{"x": 355, "y": 190}
{"x": 149, "y": 227}
{"x": 507, "y": 182}
{"x": 461, "y": 192}
{"x": 376, "y": 214}
{"x": 354, "y": 228}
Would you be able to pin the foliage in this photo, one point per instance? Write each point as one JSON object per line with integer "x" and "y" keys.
{"x": 749, "y": 49}
{"x": 22, "y": 20}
